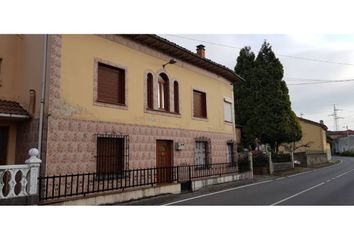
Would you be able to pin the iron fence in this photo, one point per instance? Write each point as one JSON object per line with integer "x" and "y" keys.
{"x": 82, "y": 184}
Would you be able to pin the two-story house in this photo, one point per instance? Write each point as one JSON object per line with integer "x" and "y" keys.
{"x": 115, "y": 102}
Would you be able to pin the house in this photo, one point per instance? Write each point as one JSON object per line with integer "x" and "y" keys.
{"x": 342, "y": 141}
{"x": 313, "y": 145}
{"x": 113, "y": 103}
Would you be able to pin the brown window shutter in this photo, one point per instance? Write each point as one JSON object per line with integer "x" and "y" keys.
{"x": 110, "y": 155}
{"x": 176, "y": 96}
{"x": 111, "y": 84}
{"x": 199, "y": 104}
{"x": 150, "y": 93}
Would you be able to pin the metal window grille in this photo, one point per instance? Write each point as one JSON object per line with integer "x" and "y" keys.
{"x": 112, "y": 155}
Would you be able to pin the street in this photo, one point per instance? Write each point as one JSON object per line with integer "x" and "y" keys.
{"x": 333, "y": 185}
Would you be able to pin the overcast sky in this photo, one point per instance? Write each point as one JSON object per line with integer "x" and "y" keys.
{"x": 314, "y": 101}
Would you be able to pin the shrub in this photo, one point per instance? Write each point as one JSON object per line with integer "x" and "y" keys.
{"x": 347, "y": 154}
{"x": 260, "y": 159}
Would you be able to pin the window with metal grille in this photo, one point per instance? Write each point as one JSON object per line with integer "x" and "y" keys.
{"x": 201, "y": 153}
{"x": 4, "y": 136}
{"x": 112, "y": 155}
{"x": 230, "y": 154}
{"x": 199, "y": 104}
{"x": 150, "y": 92}
{"x": 176, "y": 96}
{"x": 110, "y": 84}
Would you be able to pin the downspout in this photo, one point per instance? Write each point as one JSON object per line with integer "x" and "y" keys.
{"x": 42, "y": 100}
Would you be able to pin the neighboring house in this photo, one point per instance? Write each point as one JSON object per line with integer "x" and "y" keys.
{"x": 21, "y": 67}
{"x": 313, "y": 145}
{"x": 342, "y": 141}
{"x": 118, "y": 102}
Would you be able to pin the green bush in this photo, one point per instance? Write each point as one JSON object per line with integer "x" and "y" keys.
{"x": 260, "y": 160}
{"x": 347, "y": 154}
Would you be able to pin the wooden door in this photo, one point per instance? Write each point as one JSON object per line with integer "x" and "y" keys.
{"x": 4, "y": 135}
{"x": 164, "y": 161}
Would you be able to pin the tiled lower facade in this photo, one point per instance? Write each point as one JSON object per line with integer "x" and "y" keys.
{"x": 71, "y": 146}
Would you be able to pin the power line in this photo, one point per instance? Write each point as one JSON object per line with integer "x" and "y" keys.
{"x": 281, "y": 55}
{"x": 322, "y": 82}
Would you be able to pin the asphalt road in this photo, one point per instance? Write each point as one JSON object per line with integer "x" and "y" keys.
{"x": 333, "y": 185}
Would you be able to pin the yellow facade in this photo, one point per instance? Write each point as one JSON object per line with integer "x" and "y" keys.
{"x": 21, "y": 71}
{"x": 77, "y": 86}
{"x": 314, "y": 136}
{"x": 21, "y": 68}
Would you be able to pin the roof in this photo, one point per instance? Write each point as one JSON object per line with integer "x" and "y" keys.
{"x": 340, "y": 134}
{"x": 313, "y": 123}
{"x": 172, "y": 49}
{"x": 12, "y": 109}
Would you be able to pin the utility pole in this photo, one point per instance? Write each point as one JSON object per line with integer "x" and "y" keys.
{"x": 335, "y": 116}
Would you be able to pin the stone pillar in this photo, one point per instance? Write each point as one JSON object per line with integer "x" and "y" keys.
{"x": 271, "y": 167}
{"x": 292, "y": 159}
{"x": 34, "y": 164}
{"x": 250, "y": 158}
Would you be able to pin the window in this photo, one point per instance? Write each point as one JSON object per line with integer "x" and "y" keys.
{"x": 163, "y": 96}
{"x": 227, "y": 111}
{"x": 176, "y": 96}
{"x": 0, "y": 71}
{"x": 4, "y": 136}
{"x": 199, "y": 104}
{"x": 150, "y": 93}
{"x": 230, "y": 154}
{"x": 112, "y": 155}
{"x": 201, "y": 153}
{"x": 111, "y": 84}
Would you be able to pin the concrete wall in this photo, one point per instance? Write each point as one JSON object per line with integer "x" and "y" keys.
{"x": 344, "y": 144}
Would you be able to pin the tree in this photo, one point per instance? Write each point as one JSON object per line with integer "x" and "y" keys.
{"x": 265, "y": 110}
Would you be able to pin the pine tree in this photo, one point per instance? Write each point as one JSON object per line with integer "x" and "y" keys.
{"x": 265, "y": 112}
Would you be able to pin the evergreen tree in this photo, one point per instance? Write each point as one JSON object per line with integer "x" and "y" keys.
{"x": 265, "y": 112}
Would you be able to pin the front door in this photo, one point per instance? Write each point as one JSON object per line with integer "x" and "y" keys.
{"x": 164, "y": 156}
{"x": 4, "y": 135}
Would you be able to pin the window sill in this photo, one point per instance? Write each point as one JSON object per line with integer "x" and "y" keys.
{"x": 200, "y": 119}
{"x": 111, "y": 105}
{"x": 162, "y": 112}
{"x": 228, "y": 123}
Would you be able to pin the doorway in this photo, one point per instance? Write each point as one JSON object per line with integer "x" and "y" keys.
{"x": 164, "y": 161}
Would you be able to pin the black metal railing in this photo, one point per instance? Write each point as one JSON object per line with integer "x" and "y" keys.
{"x": 82, "y": 184}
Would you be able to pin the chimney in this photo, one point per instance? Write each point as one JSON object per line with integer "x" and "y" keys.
{"x": 201, "y": 50}
{"x": 321, "y": 122}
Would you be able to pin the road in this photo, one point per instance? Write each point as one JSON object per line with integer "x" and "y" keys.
{"x": 333, "y": 185}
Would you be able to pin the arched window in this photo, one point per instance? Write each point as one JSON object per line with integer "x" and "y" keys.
{"x": 150, "y": 93}
{"x": 176, "y": 96}
{"x": 163, "y": 94}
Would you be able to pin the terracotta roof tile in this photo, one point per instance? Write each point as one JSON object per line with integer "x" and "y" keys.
{"x": 11, "y": 107}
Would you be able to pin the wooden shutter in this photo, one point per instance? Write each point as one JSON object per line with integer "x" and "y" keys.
{"x": 150, "y": 93}
{"x": 167, "y": 95}
{"x": 227, "y": 111}
{"x": 111, "y": 84}
{"x": 199, "y": 104}
{"x": 4, "y": 136}
{"x": 176, "y": 96}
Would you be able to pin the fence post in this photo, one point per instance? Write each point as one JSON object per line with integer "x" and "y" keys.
{"x": 34, "y": 164}
{"x": 271, "y": 167}
{"x": 250, "y": 158}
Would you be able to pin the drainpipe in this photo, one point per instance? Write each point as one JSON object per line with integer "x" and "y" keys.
{"x": 42, "y": 100}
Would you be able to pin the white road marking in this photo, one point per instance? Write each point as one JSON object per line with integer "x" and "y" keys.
{"x": 308, "y": 189}
{"x": 280, "y": 178}
{"x": 214, "y": 193}
{"x": 297, "y": 194}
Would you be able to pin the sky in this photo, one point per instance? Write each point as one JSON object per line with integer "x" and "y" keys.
{"x": 312, "y": 101}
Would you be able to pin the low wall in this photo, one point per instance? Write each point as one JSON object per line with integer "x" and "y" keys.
{"x": 282, "y": 166}
{"x": 316, "y": 158}
{"x": 200, "y": 183}
{"x": 311, "y": 159}
{"x": 111, "y": 198}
